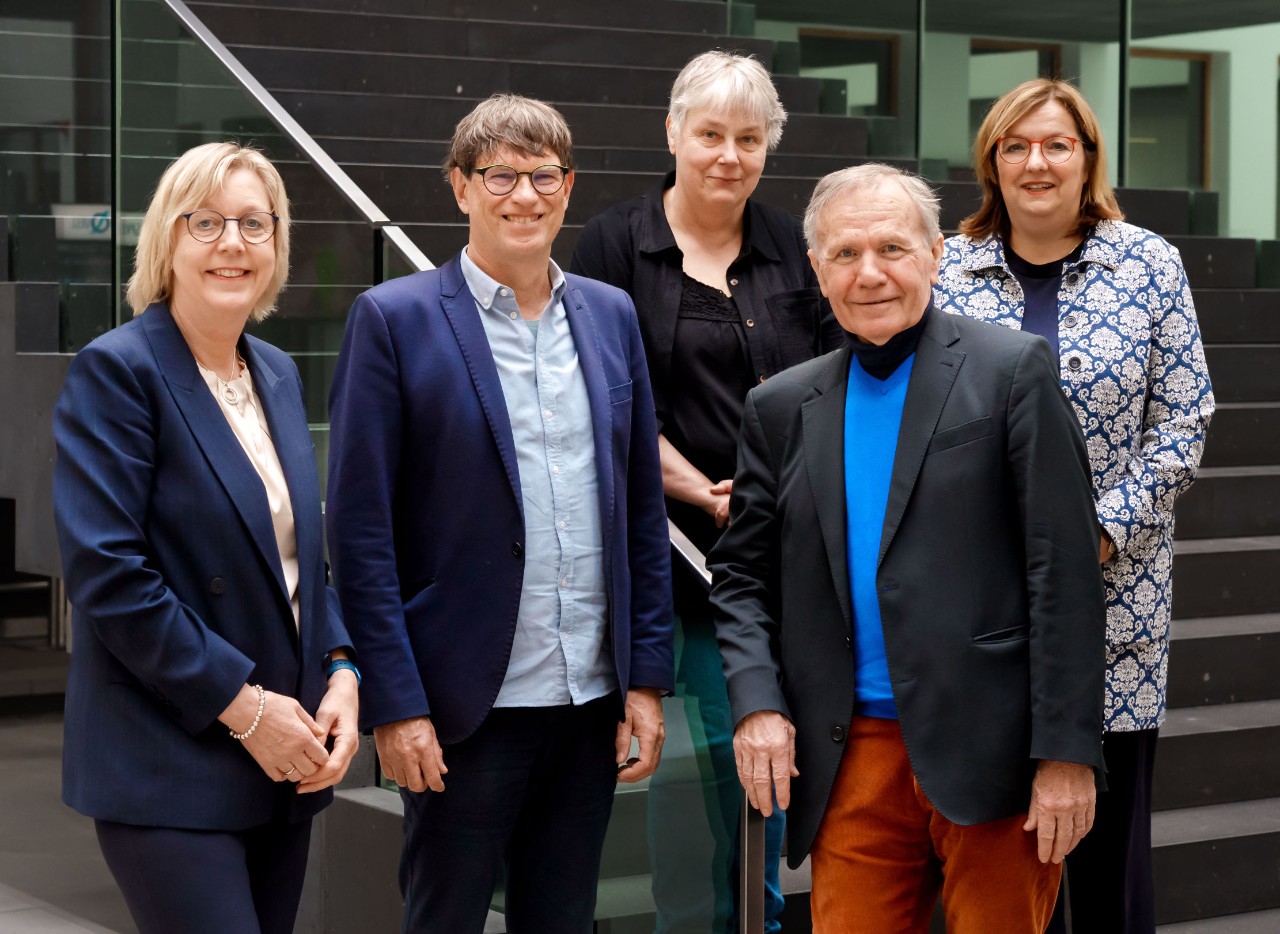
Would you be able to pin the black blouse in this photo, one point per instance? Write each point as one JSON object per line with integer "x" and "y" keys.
{"x": 777, "y": 316}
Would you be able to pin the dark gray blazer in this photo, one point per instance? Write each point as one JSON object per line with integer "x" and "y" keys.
{"x": 990, "y": 590}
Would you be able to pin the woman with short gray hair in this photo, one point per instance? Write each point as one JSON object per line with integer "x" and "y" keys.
{"x": 726, "y": 298}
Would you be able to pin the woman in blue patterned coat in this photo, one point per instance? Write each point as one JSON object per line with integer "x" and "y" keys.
{"x": 1049, "y": 252}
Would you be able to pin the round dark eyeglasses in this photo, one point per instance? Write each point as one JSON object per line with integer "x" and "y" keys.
{"x": 255, "y": 227}
{"x": 1016, "y": 149}
{"x": 502, "y": 179}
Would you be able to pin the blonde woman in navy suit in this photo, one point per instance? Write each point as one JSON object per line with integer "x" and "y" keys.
{"x": 211, "y": 702}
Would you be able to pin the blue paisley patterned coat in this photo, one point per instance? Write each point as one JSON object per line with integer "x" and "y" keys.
{"x": 1133, "y": 367}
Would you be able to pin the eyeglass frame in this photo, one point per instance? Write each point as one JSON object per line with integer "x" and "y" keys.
{"x": 481, "y": 170}
{"x": 1039, "y": 142}
{"x": 275, "y": 222}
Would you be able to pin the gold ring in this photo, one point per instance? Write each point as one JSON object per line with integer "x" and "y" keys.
{"x": 292, "y": 770}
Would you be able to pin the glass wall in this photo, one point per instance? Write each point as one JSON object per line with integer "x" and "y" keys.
{"x": 1203, "y": 106}
{"x": 55, "y": 156}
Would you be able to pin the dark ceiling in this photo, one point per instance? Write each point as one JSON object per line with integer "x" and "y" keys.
{"x": 1062, "y": 20}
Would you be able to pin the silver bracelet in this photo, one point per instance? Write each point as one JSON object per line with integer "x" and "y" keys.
{"x": 262, "y": 703}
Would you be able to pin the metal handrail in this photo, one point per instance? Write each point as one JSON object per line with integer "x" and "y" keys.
{"x": 280, "y": 117}
{"x": 751, "y": 827}
{"x": 373, "y": 215}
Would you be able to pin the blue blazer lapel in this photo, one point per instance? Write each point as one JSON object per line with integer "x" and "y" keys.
{"x": 822, "y": 421}
{"x": 209, "y": 427}
{"x": 292, "y": 441}
{"x": 932, "y": 376}
{"x": 586, "y": 340}
{"x": 460, "y": 308}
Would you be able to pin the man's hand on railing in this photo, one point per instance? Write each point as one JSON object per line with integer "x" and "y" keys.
{"x": 764, "y": 745}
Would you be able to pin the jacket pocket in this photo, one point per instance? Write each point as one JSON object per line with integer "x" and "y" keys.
{"x": 962, "y": 434}
{"x": 620, "y": 393}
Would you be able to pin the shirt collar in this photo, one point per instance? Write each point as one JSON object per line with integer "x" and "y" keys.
{"x": 657, "y": 237}
{"x": 489, "y": 293}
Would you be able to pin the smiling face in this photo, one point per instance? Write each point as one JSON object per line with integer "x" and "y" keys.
{"x": 719, "y": 156}
{"x": 873, "y": 262}
{"x": 1044, "y": 197}
{"x": 518, "y": 227}
{"x": 221, "y": 282}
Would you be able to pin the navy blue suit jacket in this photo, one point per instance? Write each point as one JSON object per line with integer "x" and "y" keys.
{"x": 175, "y": 579}
{"x": 424, "y": 509}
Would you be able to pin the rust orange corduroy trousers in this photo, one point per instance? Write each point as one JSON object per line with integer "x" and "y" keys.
{"x": 883, "y": 853}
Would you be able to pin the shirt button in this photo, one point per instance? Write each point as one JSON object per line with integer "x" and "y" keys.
{"x": 837, "y": 734}
{"x": 513, "y": 316}
{"x": 564, "y": 582}
{"x": 751, "y": 322}
{"x": 733, "y": 281}
{"x": 547, "y": 414}
{"x": 563, "y": 524}
{"x": 1073, "y": 363}
{"x": 555, "y": 468}
{"x": 503, "y": 292}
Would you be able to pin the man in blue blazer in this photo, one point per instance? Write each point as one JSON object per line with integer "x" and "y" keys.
{"x": 499, "y": 542}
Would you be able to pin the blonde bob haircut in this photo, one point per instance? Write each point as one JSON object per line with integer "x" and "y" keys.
{"x": 1097, "y": 200}
{"x": 727, "y": 83}
{"x": 185, "y": 186}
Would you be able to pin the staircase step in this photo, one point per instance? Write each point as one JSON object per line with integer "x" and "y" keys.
{"x": 1244, "y": 372}
{"x": 1216, "y": 859}
{"x": 1252, "y": 922}
{"x": 470, "y": 37}
{"x": 1165, "y": 210}
{"x": 1238, "y": 316}
{"x": 1224, "y": 659}
{"x": 1235, "y": 501}
{"x": 288, "y": 69}
{"x": 707, "y": 16}
{"x": 1218, "y": 262}
{"x": 1218, "y": 754}
{"x": 1244, "y": 433}
{"x": 1226, "y": 576}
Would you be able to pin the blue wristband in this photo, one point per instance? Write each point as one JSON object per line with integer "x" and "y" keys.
{"x": 338, "y": 664}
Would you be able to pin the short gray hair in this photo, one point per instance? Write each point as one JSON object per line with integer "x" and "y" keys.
{"x": 726, "y": 82}
{"x": 858, "y": 178}
{"x": 508, "y": 121}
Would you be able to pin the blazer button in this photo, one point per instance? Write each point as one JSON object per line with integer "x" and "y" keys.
{"x": 1073, "y": 363}
{"x": 837, "y": 734}
{"x": 517, "y": 550}
{"x": 217, "y": 586}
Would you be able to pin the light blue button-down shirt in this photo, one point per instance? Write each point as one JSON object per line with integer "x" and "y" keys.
{"x": 561, "y": 650}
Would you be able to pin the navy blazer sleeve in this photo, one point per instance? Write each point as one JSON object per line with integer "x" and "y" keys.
{"x": 107, "y": 455}
{"x": 649, "y": 544}
{"x": 366, "y": 431}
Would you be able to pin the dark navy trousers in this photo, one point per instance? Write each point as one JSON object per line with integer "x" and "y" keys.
{"x": 527, "y": 795}
{"x": 208, "y": 882}
{"x": 1108, "y": 881}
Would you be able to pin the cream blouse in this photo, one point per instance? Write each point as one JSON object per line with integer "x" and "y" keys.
{"x": 239, "y": 403}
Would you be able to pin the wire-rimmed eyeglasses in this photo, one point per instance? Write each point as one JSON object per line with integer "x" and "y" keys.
{"x": 502, "y": 179}
{"x": 255, "y": 227}
{"x": 1016, "y": 149}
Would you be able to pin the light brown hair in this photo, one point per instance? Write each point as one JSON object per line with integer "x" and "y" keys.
{"x": 1097, "y": 200}
{"x": 508, "y": 121}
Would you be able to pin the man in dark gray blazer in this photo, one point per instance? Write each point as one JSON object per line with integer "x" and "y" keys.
{"x": 908, "y": 598}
